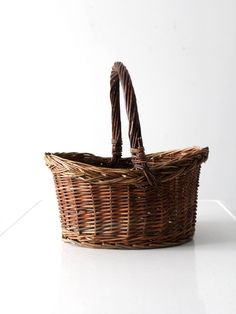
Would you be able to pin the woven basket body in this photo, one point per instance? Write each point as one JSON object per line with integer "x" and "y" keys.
{"x": 146, "y": 201}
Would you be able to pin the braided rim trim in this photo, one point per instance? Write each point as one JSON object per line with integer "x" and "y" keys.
{"x": 164, "y": 165}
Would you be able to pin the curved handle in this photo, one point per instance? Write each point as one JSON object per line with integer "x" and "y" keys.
{"x": 120, "y": 74}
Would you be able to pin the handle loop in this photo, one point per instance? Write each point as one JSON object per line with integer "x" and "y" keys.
{"x": 119, "y": 74}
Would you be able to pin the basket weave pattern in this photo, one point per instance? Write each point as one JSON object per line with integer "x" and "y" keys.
{"x": 146, "y": 201}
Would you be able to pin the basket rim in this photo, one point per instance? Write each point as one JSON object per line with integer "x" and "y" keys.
{"x": 188, "y": 160}
{"x": 200, "y": 152}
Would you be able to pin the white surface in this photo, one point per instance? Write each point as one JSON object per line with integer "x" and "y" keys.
{"x": 55, "y": 61}
{"x": 41, "y": 274}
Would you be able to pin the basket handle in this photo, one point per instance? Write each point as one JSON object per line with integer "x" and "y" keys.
{"x": 119, "y": 73}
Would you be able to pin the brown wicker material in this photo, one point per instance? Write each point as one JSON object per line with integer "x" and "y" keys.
{"x": 146, "y": 201}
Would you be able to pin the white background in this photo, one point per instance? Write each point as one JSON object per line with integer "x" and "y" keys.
{"x": 55, "y": 62}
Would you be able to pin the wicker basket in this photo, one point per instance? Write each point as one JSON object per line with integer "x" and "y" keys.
{"x": 146, "y": 201}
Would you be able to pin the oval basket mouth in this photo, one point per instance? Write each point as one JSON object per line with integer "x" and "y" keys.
{"x": 94, "y": 169}
{"x": 159, "y": 160}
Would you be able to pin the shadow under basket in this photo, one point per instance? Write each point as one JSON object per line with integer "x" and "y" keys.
{"x": 146, "y": 201}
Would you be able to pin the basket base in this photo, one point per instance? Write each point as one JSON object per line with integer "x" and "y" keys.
{"x": 128, "y": 246}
